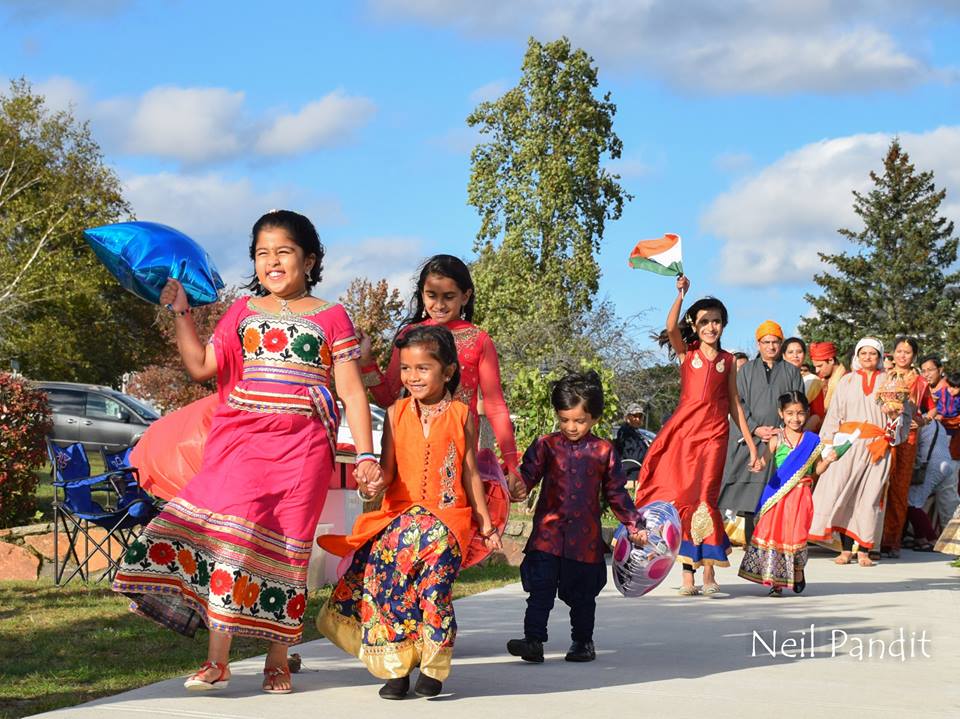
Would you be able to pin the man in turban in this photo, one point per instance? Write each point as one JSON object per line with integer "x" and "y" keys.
{"x": 828, "y": 368}
{"x": 760, "y": 382}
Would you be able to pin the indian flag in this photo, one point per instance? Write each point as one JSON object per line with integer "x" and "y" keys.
{"x": 842, "y": 441}
{"x": 662, "y": 255}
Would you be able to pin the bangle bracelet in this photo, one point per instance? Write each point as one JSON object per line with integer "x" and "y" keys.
{"x": 490, "y": 534}
{"x": 176, "y": 313}
{"x": 362, "y": 455}
{"x": 364, "y": 497}
{"x": 361, "y": 460}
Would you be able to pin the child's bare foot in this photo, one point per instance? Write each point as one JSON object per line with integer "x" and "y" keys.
{"x": 843, "y": 558}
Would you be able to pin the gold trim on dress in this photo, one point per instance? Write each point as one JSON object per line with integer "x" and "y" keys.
{"x": 701, "y": 524}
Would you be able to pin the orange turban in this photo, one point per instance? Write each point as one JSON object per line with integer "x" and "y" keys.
{"x": 822, "y": 351}
{"x": 769, "y": 328}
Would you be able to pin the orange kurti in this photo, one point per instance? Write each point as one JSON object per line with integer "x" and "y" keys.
{"x": 429, "y": 474}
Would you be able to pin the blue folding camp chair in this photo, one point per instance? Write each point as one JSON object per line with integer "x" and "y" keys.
{"x": 120, "y": 462}
{"x": 122, "y": 507}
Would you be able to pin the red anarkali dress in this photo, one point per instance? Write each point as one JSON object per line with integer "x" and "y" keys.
{"x": 684, "y": 465}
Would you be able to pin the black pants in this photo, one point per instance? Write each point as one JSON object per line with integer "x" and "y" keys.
{"x": 545, "y": 577}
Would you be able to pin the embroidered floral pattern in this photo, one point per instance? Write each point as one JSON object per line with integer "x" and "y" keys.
{"x": 162, "y": 553}
{"x": 231, "y": 589}
{"x": 448, "y": 476}
{"x": 221, "y": 582}
{"x": 275, "y": 340}
{"x": 296, "y": 340}
{"x": 251, "y": 339}
{"x": 306, "y": 347}
{"x": 696, "y": 362}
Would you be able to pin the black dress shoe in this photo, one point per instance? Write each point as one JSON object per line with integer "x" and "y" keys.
{"x": 530, "y": 650}
{"x": 395, "y": 688}
{"x": 799, "y": 586}
{"x": 581, "y": 652}
{"x": 427, "y": 686}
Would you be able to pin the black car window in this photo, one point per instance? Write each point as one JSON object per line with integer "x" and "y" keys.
{"x": 64, "y": 401}
{"x": 101, "y": 407}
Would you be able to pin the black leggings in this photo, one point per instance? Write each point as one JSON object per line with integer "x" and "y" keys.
{"x": 846, "y": 542}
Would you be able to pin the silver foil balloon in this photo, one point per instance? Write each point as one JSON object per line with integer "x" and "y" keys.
{"x": 638, "y": 570}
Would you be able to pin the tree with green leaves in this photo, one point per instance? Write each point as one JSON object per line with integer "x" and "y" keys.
{"x": 898, "y": 280}
{"x": 544, "y": 197}
{"x": 62, "y": 316}
{"x": 376, "y": 309}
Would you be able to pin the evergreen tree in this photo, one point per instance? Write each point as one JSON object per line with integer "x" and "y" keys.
{"x": 897, "y": 280}
{"x": 543, "y": 198}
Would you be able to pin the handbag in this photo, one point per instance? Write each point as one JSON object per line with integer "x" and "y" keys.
{"x": 920, "y": 470}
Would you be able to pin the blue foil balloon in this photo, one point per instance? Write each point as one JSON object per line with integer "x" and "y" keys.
{"x": 144, "y": 255}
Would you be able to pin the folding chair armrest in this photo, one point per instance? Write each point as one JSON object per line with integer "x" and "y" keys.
{"x": 88, "y": 481}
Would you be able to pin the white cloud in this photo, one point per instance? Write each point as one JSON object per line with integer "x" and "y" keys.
{"x": 218, "y": 212}
{"x": 194, "y": 125}
{"x": 392, "y": 258}
{"x": 773, "y": 223}
{"x": 203, "y": 125}
{"x": 489, "y": 92}
{"x": 332, "y": 120}
{"x": 763, "y": 46}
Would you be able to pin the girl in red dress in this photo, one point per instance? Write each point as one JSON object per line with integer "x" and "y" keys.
{"x": 684, "y": 465}
{"x": 445, "y": 297}
{"x": 777, "y": 553}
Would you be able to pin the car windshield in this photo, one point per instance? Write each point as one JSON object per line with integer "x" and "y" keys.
{"x": 137, "y": 406}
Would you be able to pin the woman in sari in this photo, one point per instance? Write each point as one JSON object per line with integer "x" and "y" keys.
{"x": 848, "y": 499}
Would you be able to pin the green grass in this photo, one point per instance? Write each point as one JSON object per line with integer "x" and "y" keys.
{"x": 60, "y": 647}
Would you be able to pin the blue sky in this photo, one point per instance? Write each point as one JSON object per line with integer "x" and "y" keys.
{"x": 745, "y": 124}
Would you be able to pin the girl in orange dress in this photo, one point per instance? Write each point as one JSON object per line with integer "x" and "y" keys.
{"x": 684, "y": 465}
{"x": 393, "y": 607}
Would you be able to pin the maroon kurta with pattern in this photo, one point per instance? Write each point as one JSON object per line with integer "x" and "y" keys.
{"x": 574, "y": 474}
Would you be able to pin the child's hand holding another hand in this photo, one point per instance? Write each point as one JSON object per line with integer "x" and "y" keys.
{"x": 491, "y": 537}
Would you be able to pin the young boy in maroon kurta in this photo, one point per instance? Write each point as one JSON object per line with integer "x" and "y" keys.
{"x": 564, "y": 556}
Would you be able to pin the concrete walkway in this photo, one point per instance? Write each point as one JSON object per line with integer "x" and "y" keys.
{"x": 659, "y": 656}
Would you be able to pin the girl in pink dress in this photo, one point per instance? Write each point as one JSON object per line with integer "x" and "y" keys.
{"x": 231, "y": 550}
{"x": 445, "y": 296}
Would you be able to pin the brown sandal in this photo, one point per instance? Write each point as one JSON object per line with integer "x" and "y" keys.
{"x": 271, "y": 674}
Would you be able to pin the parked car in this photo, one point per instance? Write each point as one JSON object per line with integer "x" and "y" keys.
{"x": 377, "y": 417}
{"x": 97, "y": 416}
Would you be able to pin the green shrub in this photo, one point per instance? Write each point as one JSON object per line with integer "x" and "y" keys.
{"x": 24, "y": 422}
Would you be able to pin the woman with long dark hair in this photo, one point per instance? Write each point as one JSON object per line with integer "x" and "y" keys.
{"x": 445, "y": 296}
{"x": 684, "y": 465}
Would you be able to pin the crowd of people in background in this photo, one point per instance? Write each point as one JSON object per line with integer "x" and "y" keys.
{"x": 877, "y": 452}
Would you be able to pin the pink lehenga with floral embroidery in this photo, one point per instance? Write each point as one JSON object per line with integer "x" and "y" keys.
{"x": 231, "y": 550}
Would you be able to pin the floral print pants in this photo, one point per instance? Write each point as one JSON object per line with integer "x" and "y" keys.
{"x": 394, "y": 605}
